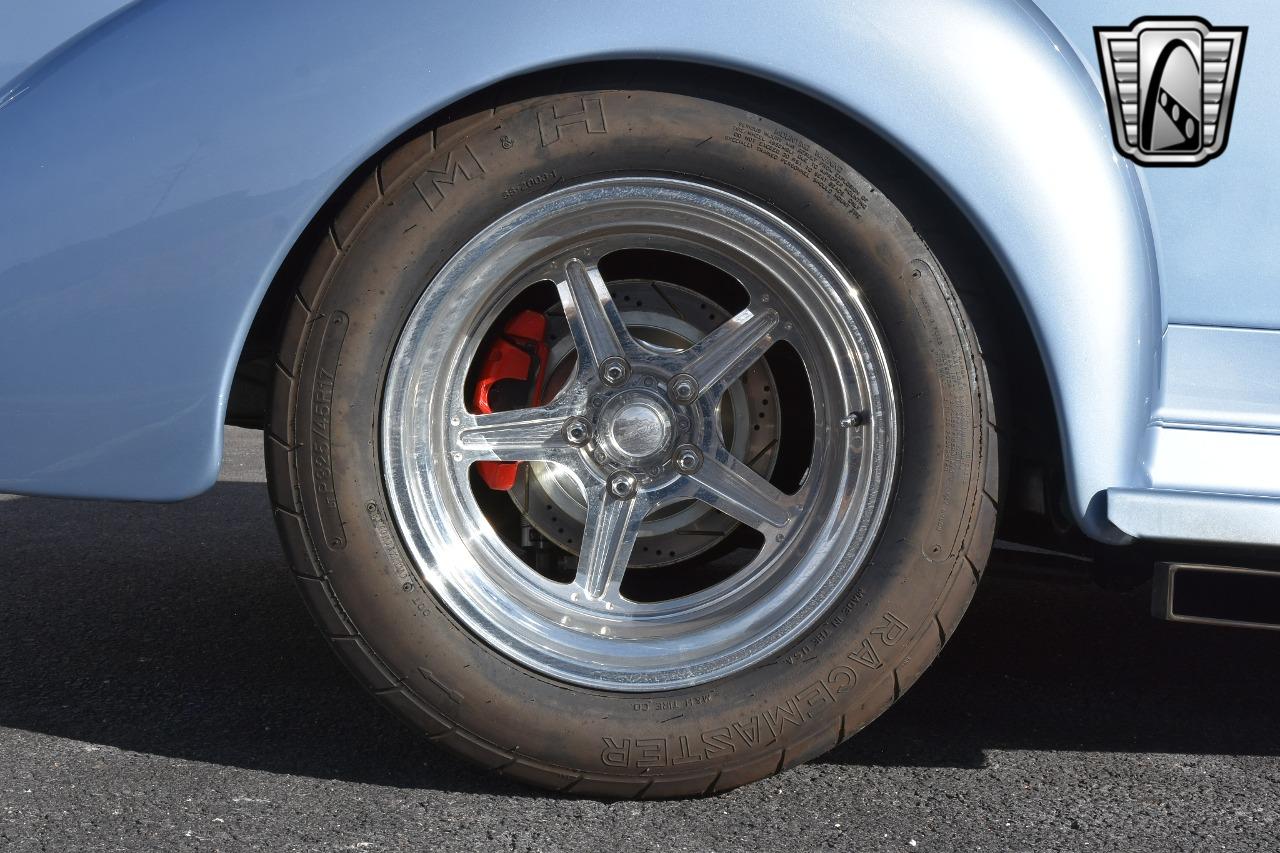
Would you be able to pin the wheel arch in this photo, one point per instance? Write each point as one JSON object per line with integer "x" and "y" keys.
{"x": 1031, "y": 429}
{"x": 199, "y": 181}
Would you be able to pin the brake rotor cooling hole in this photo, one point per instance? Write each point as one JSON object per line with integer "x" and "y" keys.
{"x": 668, "y": 301}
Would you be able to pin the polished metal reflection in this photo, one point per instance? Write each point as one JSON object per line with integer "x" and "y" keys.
{"x": 654, "y": 420}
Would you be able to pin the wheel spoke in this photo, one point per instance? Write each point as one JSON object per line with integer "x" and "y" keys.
{"x": 725, "y": 354}
{"x": 594, "y": 321}
{"x": 519, "y": 435}
{"x": 731, "y": 486}
{"x": 609, "y": 536}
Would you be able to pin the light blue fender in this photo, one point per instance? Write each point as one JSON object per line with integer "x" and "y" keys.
{"x": 155, "y": 172}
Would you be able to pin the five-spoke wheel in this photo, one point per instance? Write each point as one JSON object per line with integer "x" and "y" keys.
{"x": 643, "y": 429}
{"x": 630, "y": 443}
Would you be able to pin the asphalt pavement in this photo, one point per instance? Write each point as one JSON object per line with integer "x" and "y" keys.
{"x": 162, "y": 688}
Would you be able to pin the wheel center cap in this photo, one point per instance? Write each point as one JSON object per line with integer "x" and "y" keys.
{"x": 637, "y": 427}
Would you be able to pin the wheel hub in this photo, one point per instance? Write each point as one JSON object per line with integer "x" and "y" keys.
{"x": 668, "y": 318}
{"x": 636, "y": 428}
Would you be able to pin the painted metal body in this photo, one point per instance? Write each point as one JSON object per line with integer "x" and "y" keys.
{"x": 157, "y": 169}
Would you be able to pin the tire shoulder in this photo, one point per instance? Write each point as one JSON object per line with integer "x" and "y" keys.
{"x": 397, "y": 167}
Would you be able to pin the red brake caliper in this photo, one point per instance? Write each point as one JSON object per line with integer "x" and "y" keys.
{"x": 518, "y": 358}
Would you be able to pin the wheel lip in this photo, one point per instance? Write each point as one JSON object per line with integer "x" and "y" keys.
{"x": 427, "y": 551}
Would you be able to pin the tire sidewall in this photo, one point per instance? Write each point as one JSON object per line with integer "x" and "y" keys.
{"x": 827, "y": 684}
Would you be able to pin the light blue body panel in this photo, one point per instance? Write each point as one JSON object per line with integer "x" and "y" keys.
{"x": 1216, "y": 423}
{"x": 1202, "y": 517}
{"x": 1216, "y": 225}
{"x": 1210, "y": 464}
{"x": 1218, "y": 378}
{"x": 156, "y": 171}
{"x": 33, "y": 28}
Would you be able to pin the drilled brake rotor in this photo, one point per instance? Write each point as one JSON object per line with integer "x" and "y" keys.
{"x": 666, "y": 317}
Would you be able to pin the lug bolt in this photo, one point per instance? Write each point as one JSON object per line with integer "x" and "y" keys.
{"x": 577, "y": 431}
{"x": 688, "y": 458}
{"x": 683, "y": 388}
{"x": 622, "y": 484}
{"x": 614, "y": 370}
{"x": 852, "y": 420}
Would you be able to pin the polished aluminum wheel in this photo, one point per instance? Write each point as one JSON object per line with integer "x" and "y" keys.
{"x": 639, "y": 429}
{"x": 667, "y": 317}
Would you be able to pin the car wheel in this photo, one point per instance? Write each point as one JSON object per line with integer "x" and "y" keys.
{"x": 631, "y": 444}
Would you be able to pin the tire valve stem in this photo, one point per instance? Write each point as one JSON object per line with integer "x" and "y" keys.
{"x": 853, "y": 419}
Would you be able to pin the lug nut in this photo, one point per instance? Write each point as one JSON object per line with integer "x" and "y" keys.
{"x": 614, "y": 370}
{"x": 683, "y": 388}
{"x": 577, "y": 431}
{"x": 688, "y": 458}
{"x": 622, "y": 484}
